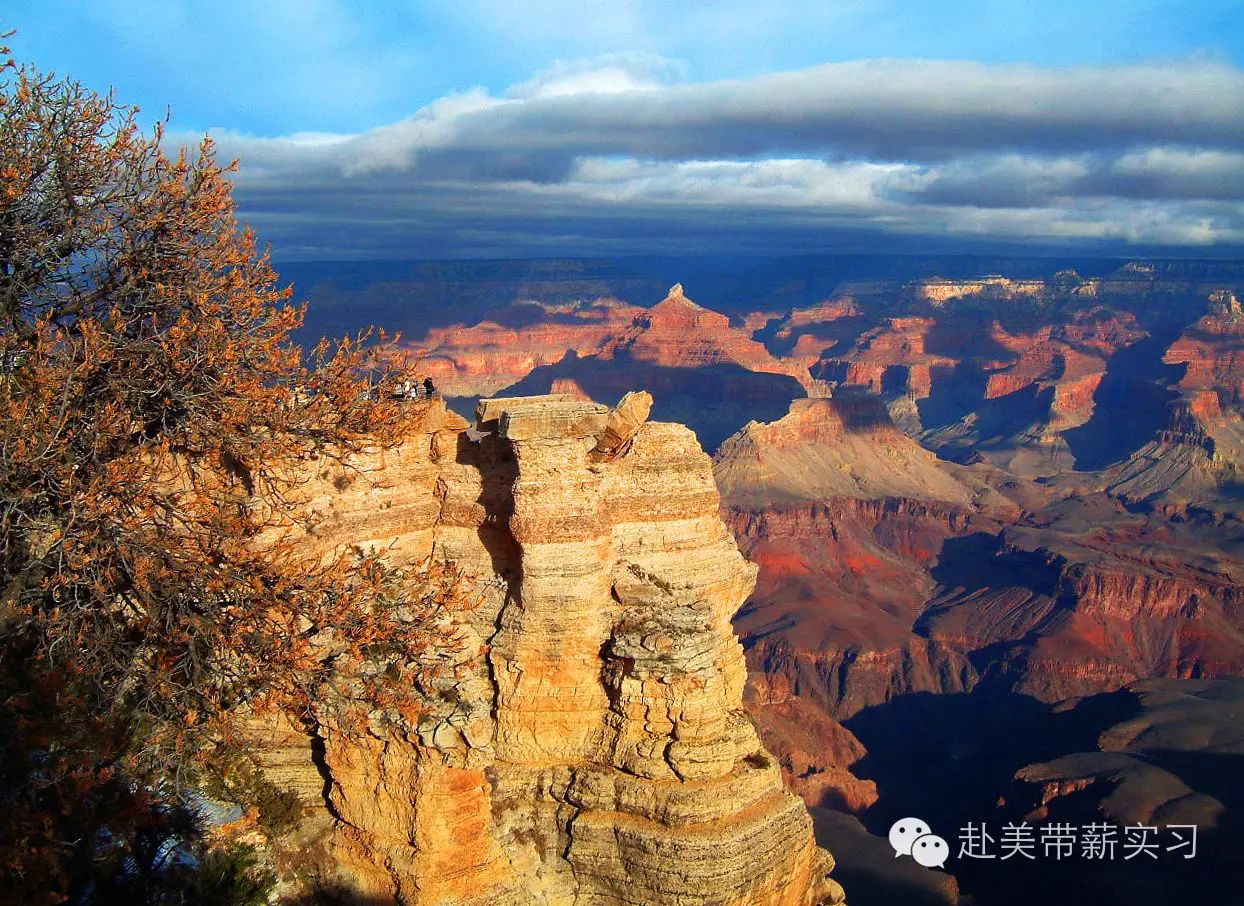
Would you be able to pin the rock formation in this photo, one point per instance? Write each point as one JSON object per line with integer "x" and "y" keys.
{"x": 1069, "y": 359}
{"x": 597, "y": 752}
{"x": 1088, "y": 599}
{"x": 674, "y": 333}
{"x": 489, "y": 356}
{"x": 845, "y": 515}
{"x": 846, "y": 446}
{"x": 1212, "y": 349}
{"x": 886, "y": 571}
{"x": 1161, "y": 753}
{"x": 892, "y": 358}
{"x": 1139, "y": 770}
{"x": 702, "y": 370}
{"x": 940, "y": 291}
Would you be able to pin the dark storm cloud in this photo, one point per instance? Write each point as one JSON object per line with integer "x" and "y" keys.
{"x": 613, "y": 158}
{"x": 1010, "y": 180}
{"x": 892, "y": 109}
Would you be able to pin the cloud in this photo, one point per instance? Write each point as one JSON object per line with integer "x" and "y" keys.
{"x": 619, "y": 154}
{"x": 1016, "y": 180}
{"x": 609, "y": 74}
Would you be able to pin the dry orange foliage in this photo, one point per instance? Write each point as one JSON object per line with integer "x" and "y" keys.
{"x": 154, "y": 412}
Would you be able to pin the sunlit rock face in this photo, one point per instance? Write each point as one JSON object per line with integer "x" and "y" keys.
{"x": 1212, "y": 349}
{"x": 1072, "y": 533}
{"x": 675, "y": 333}
{"x": 486, "y": 357}
{"x": 598, "y": 751}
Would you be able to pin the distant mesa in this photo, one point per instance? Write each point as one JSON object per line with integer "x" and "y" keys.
{"x": 846, "y": 446}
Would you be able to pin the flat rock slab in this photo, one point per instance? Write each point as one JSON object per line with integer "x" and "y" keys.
{"x": 487, "y": 412}
{"x": 547, "y": 418}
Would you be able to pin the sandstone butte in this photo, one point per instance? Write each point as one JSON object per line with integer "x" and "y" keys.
{"x": 598, "y": 752}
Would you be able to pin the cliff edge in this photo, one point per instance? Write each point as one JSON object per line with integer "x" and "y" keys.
{"x": 598, "y": 751}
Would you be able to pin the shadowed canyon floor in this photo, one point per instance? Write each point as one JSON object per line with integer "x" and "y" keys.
{"x": 1158, "y": 752}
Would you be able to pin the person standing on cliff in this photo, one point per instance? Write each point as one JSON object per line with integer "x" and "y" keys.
{"x": 429, "y": 388}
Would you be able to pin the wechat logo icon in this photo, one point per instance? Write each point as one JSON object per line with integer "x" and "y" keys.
{"x": 913, "y": 837}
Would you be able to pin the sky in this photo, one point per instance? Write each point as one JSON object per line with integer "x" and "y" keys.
{"x": 508, "y": 128}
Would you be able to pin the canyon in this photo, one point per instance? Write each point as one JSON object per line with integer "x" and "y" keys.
{"x": 973, "y": 501}
{"x": 915, "y": 508}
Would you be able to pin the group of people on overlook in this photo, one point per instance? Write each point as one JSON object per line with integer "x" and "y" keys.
{"x": 418, "y": 390}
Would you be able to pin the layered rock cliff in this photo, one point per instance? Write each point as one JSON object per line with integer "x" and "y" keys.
{"x": 1006, "y": 491}
{"x": 886, "y": 571}
{"x": 845, "y": 515}
{"x": 846, "y": 446}
{"x": 892, "y": 358}
{"x": 493, "y": 354}
{"x": 678, "y": 333}
{"x": 597, "y": 750}
{"x": 1212, "y": 349}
